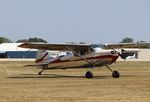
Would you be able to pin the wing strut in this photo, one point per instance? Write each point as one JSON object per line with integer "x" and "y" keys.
{"x": 78, "y": 54}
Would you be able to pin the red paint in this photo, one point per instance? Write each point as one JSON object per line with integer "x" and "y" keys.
{"x": 114, "y": 58}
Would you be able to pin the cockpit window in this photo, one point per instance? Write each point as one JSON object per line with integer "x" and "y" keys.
{"x": 67, "y": 53}
{"x": 97, "y": 46}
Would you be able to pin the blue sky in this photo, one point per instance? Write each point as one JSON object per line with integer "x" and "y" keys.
{"x": 91, "y": 21}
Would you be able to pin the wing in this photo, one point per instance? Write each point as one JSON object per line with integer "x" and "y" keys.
{"x": 81, "y": 47}
{"x": 59, "y": 47}
{"x": 127, "y": 45}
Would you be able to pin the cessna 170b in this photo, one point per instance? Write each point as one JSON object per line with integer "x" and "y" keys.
{"x": 82, "y": 55}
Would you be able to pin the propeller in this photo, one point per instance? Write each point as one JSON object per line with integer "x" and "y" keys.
{"x": 119, "y": 53}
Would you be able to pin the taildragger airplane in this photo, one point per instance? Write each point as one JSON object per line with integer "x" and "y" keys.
{"x": 82, "y": 55}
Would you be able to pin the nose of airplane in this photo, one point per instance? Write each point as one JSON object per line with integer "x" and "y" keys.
{"x": 112, "y": 52}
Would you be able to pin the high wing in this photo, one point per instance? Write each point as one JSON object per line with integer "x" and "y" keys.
{"x": 81, "y": 47}
{"x": 60, "y": 47}
{"x": 127, "y": 45}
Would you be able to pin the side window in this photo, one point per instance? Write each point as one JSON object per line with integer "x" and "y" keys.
{"x": 67, "y": 53}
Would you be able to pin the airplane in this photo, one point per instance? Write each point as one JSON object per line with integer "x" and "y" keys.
{"x": 81, "y": 55}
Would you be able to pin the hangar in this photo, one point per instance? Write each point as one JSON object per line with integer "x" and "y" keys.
{"x": 10, "y": 50}
{"x": 144, "y": 55}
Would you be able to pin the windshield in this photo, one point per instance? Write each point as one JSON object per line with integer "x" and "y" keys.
{"x": 93, "y": 46}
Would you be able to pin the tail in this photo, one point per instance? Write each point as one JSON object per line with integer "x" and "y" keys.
{"x": 43, "y": 57}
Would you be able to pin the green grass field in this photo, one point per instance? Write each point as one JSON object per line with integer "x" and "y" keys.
{"x": 19, "y": 84}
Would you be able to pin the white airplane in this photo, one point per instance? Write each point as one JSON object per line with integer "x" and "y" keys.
{"x": 81, "y": 55}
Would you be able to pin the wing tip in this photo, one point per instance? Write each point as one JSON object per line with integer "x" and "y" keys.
{"x": 22, "y": 45}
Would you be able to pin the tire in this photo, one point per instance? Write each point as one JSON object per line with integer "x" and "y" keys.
{"x": 39, "y": 73}
{"x": 115, "y": 74}
{"x": 89, "y": 74}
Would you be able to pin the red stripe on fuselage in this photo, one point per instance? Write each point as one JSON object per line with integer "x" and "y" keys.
{"x": 114, "y": 58}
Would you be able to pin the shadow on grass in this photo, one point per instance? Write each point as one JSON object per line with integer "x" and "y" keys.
{"x": 54, "y": 76}
{"x": 63, "y": 76}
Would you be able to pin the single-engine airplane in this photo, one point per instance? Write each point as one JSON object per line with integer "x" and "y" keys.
{"x": 82, "y": 55}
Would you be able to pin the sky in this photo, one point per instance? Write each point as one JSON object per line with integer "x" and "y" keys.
{"x": 90, "y": 21}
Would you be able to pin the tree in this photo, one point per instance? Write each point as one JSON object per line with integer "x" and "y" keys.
{"x": 36, "y": 40}
{"x": 32, "y": 40}
{"x": 82, "y": 43}
{"x": 4, "y": 40}
{"x": 141, "y": 41}
{"x": 127, "y": 40}
{"x": 22, "y": 40}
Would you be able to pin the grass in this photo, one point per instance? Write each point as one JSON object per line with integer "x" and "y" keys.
{"x": 19, "y": 84}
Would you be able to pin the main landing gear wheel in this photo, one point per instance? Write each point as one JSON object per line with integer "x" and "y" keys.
{"x": 39, "y": 73}
{"x": 115, "y": 74}
{"x": 89, "y": 74}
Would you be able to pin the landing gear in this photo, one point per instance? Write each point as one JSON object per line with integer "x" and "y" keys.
{"x": 44, "y": 67}
{"x": 89, "y": 74}
{"x": 115, "y": 74}
{"x": 40, "y": 72}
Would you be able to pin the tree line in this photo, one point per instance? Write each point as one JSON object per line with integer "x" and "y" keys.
{"x": 6, "y": 40}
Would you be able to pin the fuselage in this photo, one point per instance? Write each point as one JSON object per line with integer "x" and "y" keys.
{"x": 97, "y": 58}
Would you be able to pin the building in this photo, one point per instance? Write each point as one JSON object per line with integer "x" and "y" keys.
{"x": 144, "y": 55}
{"x": 10, "y": 50}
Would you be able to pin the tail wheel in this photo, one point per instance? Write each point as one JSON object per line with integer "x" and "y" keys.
{"x": 89, "y": 74}
{"x": 39, "y": 73}
{"x": 115, "y": 74}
